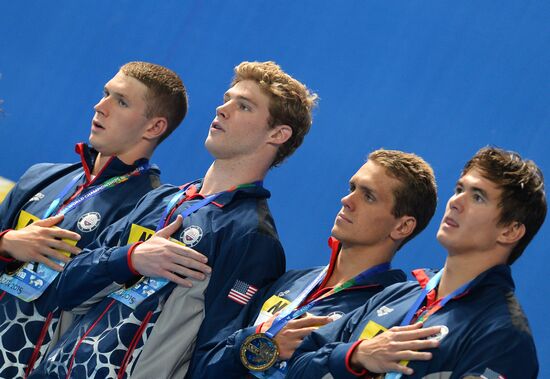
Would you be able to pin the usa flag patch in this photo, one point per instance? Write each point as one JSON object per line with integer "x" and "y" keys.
{"x": 242, "y": 292}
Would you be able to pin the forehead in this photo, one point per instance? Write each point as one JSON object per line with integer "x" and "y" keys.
{"x": 127, "y": 86}
{"x": 376, "y": 177}
{"x": 249, "y": 90}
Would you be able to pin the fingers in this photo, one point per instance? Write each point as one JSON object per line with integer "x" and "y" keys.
{"x": 416, "y": 334}
{"x": 409, "y": 355}
{"x": 52, "y": 253}
{"x": 171, "y": 228}
{"x": 176, "y": 279}
{"x": 414, "y": 326}
{"x": 185, "y": 271}
{"x": 310, "y": 321}
{"x": 417, "y": 344}
{"x": 50, "y": 221}
{"x": 185, "y": 263}
{"x": 396, "y": 367}
{"x": 64, "y": 246}
{"x": 64, "y": 234}
{"x": 193, "y": 254}
{"x": 48, "y": 262}
{"x": 301, "y": 333}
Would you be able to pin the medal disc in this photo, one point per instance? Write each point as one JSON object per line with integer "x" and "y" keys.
{"x": 259, "y": 352}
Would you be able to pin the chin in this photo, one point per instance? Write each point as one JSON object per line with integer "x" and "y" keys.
{"x": 444, "y": 240}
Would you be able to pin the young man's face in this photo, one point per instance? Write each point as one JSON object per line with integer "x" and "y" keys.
{"x": 365, "y": 218}
{"x": 240, "y": 127}
{"x": 470, "y": 221}
{"x": 119, "y": 122}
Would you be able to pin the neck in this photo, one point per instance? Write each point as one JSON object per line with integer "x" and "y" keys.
{"x": 128, "y": 159}
{"x": 100, "y": 162}
{"x": 460, "y": 269}
{"x": 223, "y": 175}
{"x": 352, "y": 261}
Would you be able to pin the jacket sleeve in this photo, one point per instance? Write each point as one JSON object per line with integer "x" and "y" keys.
{"x": 223, "y": 360}
{"x": 6, "y": 213}
{"x": 220, "y": 357}
{"x": 325, "y": 350}
{"x": 255, "y": 259}
{"x": 83, "y": 281}
{"x": 32, "y": 181}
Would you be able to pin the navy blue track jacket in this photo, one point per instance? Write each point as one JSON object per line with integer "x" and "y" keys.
{"x": 220, "y": 357}
{"x": 486, "y": 333}
{"x": 237, "y": 234}
{"x": 26, "y": 328}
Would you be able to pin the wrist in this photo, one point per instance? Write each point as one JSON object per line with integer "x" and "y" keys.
{"x": 4, "y": 252}
{"x": 129, "y": 258}
{"x": 352, "y": 362}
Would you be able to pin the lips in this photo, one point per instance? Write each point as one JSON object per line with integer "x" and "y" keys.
{"x": 450, "y": 222}
{"x": 97, "y": 125}
{"x": 216, "y": 126}
{"x": 344, "y": 218}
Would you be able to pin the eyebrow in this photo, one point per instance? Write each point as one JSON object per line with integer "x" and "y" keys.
{"x": 239, "y": 97}
{"x": 481, "y": 191}
{"x": 364, "y": 188}
{"x": 118, "y": 94}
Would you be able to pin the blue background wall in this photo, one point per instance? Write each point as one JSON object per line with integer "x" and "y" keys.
{"x": 439, "y": 78}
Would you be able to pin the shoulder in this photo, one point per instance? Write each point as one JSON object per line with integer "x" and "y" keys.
{"x": 253, "y": 215}
{"x": 302, "y": 273}
{"x": 41, "y": 171}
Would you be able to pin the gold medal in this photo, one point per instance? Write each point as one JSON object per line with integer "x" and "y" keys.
{"x": 259, "y": 352}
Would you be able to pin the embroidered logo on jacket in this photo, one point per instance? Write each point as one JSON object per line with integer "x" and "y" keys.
{"x": 37, "y": 197}
{"x": 382, "y": 311}
{"x": 89, "y": 221}
{"x": 442, "y": 333}
{"x": 335, "y": 315}
{"x": 191, "y": 235}
{"x": 242, "y": 292}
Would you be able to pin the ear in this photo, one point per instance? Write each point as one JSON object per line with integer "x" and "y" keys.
{"x": 404, "y": 228}
{"x": 156, "y": 128}
{"x": 279, "y": 134}
{"x": 511, "y": 233}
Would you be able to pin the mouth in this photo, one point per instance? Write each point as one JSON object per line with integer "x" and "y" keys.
{"x": 450, "y": 222}
{"x": 216, "y": 126}
{"x": 96, "y": 125}
{"x": 343, "y": 218}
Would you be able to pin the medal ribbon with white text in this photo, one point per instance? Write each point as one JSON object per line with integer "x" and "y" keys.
{"x": 32, "y": 279}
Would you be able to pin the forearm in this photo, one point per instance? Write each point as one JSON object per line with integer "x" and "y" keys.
{"x": 90, "y": 273}
{"x": 222, "y": 359}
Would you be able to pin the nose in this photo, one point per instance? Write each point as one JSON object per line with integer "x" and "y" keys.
{"x": 101, "y": 107}
{"x": 222, "y": 111}
{"x": 456, "y": 201}
{"x": 347, "y": 201}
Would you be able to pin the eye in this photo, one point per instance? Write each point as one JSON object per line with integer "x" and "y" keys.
{"x": 478, "y": 198}
{"x": 370, "y": 197}
{"x": 351, "y": 187}
{"x": 122, "y": 103}
{"x": 105, "y": 93}
{"x": 244, "y": 107}
{"x": 458, "y": 189}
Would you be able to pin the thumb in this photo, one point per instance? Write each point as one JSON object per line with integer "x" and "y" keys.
{"x": 171, "y": 228}
{"x": 50, "y": 221}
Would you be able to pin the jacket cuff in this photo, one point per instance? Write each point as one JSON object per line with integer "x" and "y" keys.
{"x": 2, "y": 258}
{"x": 129, "y": 257}
{"x": 348, "y": 360}
{"x": 118, "y": 263}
